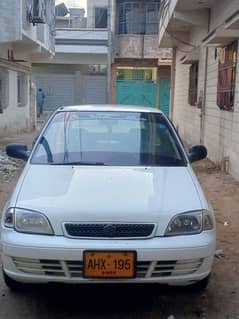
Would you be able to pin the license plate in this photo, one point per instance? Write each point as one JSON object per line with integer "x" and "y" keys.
{"x": 103, "y": 264}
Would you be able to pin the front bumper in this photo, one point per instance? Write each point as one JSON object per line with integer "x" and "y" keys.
{"x": 167, "y": 260}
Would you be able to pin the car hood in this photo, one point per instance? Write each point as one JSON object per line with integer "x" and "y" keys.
{"x": 107, "y": 194}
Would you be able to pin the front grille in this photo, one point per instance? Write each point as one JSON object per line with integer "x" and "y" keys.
{"x": 109, "y": 230}
{"x": 40, "y": 267}
{"x": 176, "y": 268}
{"x": 74, "y": 269}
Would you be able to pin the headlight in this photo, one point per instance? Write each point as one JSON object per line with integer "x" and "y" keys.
{"x": 27, "y": 221}
{"x": 190, "y": 223}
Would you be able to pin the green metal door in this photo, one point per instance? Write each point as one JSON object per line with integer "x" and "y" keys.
{"x": 164, "y": 99}
{"x": 136, "y": 92}
{"x": 136, "y": 86}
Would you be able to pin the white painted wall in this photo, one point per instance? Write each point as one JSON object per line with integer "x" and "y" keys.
{"x": 14, "y": 118}
{"x": 62, "y": 58}
{"x": 222, "y": 10}
{"x": 20, "y": 28}
{"x": 185, "y": 116}
{"x": 41, "y": 34}
{"x": 75, "y": 34}
{"x": 221, "y": 128}
{"x": 25, "y": 40}
{"x": 10, "y": 13}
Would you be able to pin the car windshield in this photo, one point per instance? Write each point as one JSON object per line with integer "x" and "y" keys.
{"x": 109, "y": 138}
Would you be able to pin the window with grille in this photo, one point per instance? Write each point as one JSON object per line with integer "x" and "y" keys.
{"x": 101, "y": 17}
{"x": 138, "y": 17}
{"x": 4, "y": 89}
{"x": 227, "y": 77}
{"x": 136, "y": 74}
{"x": 22, "y": 89}
{"x": 193, "y": 84}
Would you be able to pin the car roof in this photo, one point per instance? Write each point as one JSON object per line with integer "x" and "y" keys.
{"x": 109, "y": 107}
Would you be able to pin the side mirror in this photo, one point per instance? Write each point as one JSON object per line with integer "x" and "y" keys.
{"x": 197, "y": 153}
{"x": 18, "y": 151}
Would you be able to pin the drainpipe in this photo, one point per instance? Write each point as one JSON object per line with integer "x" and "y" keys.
{"x": 109, "y": 53}
{"x": 203, "y": 109}
{"x": 172, "y": 95}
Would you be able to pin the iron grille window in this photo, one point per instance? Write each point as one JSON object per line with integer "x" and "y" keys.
{"x": 4, "y": 89}
{"x": 22, "y": 89}
{"x": 101, "y": 17}
{"x": 135, "y": 75}
{"x": 138, "y": 17}
{"x": 193, "y": 84}
{"x": 227, "y": 77}
{"x": 39, "y": 11}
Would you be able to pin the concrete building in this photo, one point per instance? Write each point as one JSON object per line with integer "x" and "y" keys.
{"x": 27, "y": 33}
{"x": 78, "y": 72}
{"x": 204, "y": 35}
{"x": 140, "y": 70}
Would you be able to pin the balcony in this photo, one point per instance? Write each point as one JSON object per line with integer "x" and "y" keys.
{"x": 18, "y": 29}
{"x": 83, "y": 41}
{"x": 136, "y": 46}
{"x": 178, "y": 18}
{"x": 137, "y": 29}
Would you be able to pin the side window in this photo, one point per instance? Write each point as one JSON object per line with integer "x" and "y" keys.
{"x": 4, "y": 89}
{"x": 101, "y": 17}
{"x": 22, "y": 88}
{"x": 227, "y": 77}
{"x": 193, "y": 84}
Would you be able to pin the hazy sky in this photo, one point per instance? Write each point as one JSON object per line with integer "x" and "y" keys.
{"x": 73, "y": 3}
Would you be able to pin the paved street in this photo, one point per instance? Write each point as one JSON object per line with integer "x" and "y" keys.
{"x": 220, "y": 301}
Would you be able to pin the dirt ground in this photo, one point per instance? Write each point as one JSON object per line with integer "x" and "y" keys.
{"x": 219, "y": 301}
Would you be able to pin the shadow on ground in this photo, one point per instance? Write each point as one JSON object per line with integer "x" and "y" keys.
{"x": 111, "y": 301}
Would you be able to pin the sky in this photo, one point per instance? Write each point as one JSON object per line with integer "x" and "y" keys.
{"x": 73, "y": 3}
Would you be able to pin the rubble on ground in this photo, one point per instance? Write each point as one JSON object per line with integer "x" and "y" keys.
{"x": 219, "y": 253}
{"x": 8, "y": 167}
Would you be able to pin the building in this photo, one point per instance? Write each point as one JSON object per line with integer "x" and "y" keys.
{"x": 72, "y": 18}
{"x": 204, "y": 35}
{"x": 140, "y": 70}
{"x": 27, "y": 33}
{"x": 78, "y": 72}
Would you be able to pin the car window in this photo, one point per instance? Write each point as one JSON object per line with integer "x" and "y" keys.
{"x": 109, "y": 138}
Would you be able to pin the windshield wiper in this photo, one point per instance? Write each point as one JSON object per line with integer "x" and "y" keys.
{"x": 80, "y": 163}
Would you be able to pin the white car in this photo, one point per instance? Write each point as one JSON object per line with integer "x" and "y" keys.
{"x": 107, "y": 195}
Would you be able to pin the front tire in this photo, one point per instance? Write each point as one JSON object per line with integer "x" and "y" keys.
{"x": 11, "y": 283}
{"x": 199, "y": 286}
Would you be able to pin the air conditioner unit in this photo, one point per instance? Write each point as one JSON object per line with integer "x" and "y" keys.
{"x": 38, "y": 14}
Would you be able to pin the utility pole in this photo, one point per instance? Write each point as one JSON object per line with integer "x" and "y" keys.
{"x": 109, "y": 59}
